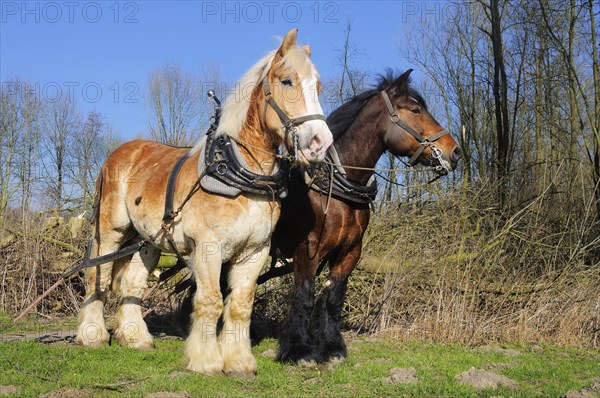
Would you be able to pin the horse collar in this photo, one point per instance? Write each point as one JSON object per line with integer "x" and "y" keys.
{"x": 331, "y": 177}
{"x": 224, "y": 164}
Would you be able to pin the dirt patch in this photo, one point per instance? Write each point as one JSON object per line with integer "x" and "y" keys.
{"x": 402, "y": 376}
{"x": 169, "y": 394}
{"x": 482, "y": 379}
{"x": 68, "y": 392}
{"x": 498, "y": 367}
{"x": 5, "y": 391}
{"x": 583, "y": 393}
{"x": 504, "y": 351}
{"x": 588, "y": 392}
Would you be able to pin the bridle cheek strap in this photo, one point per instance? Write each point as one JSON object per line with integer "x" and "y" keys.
{"x": 424, "y": 142}
{"x": 289, "y": 124}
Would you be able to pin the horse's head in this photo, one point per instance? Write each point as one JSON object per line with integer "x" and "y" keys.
{"x": 413, "y": 131}
{"x": 291, "y": 108}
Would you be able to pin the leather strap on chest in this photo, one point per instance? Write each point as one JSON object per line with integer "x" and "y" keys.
{"x": 324, "y": 175}
{"x": 223, "y": 163}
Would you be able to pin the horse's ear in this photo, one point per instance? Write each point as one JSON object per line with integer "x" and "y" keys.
{"x": 306, "y": 49}
{"x": 289, "y": 41}
{"x": 402, "y": 82}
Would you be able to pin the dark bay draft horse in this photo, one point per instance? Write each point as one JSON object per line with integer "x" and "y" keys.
{"x": 272, "y": 106}
{"x": 363, "y": 128}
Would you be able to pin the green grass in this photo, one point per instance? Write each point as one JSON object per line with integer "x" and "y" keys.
{"x": 37, "y": 368}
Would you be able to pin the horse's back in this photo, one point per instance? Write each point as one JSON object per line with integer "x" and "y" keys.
{"x": 144, "y": 152}
{"x": 134, "y": 178}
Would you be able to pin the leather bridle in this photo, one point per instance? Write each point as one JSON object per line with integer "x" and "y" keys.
{"x": 289, "y": 124}
{"x": 436, "y": 153}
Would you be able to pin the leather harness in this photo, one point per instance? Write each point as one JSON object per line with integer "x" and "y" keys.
{"x": 223, "y": 164}
{"x": 331, "y": 177}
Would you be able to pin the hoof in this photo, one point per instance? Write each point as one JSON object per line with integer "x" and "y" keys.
{"x": 206, "y": 371}
{"x": 92, "y": 343}
{"x": 135, "y": 342}
{"x": 92, "y": 335}
{"x": 296, "y": 354}
{"x": 336, "y": 360}
{"x": 331, "y": 352}
{"x": 243, "y": 367}
{"x": 142, "y": 346}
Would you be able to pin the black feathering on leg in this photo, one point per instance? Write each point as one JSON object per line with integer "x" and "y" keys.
{"x": 327, "y": 337}
{"x": 294, "y": 341}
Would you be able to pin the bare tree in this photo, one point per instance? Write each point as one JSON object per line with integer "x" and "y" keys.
{"x": 11, "y": 126}
{"x": 88, "y": 155}
{"x": 62, "y": 123}
{"x": 174, "y": 103}
{"x": 20, "y": 113}
{"x": 112, "y": 139}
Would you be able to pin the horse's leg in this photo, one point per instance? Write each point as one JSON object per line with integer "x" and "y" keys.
{"x": 295, "y": 340}
{"x": 92, "y": 328}
{"x": 234, "y": 339}
{"x": 130, "y": 283}
{"x": 327, "y": 338}
{"x": 201, "y": 349}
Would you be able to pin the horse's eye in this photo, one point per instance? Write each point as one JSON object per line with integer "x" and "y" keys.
{"x": 416, "y": 111}
{"x": 287, "y": 82}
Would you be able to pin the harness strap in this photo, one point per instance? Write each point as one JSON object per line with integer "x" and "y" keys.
{"x": 168, "y": 214}
{"x": 285, "y": 119}
{"x": 123, "y": 252}
{"x": 331, "y": 179}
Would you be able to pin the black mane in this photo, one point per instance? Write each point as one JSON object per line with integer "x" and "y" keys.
{"x": 342, "y": 118}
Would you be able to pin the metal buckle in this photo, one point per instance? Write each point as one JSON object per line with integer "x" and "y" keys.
{"x": 222, "y": 168}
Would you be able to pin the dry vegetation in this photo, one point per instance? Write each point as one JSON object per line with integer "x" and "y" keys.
{"x": 33, "y": 255}
{"x": 452, "y": 266}
{"x": 461, "y": 269}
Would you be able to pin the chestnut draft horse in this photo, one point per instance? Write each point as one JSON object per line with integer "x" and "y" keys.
{"x": 363, "y": 128}
{"x": 211, "y": 229}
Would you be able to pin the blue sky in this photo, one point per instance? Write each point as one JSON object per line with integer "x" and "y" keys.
{"x": 102, "y": 52}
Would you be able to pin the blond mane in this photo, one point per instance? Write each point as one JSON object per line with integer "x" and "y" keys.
{"x": 236, "y": 105}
